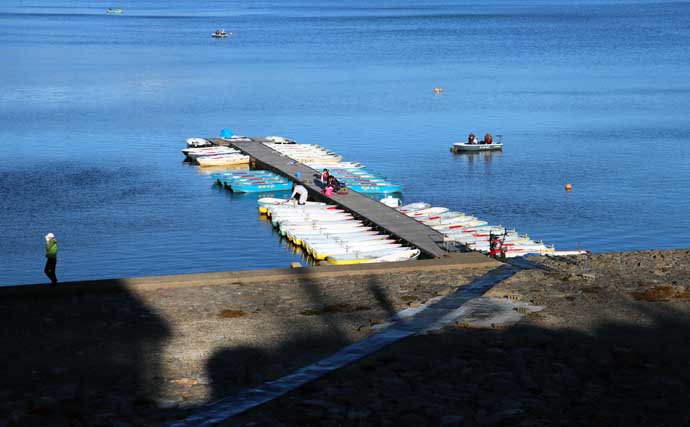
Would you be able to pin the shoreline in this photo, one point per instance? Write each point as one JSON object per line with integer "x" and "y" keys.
{"x": 159, "y": 349}
{"x": 451, "y": 261}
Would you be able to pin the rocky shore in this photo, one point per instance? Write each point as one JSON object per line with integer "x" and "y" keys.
{"x": 610, "y": 348}
{"x": 607, "y": 347}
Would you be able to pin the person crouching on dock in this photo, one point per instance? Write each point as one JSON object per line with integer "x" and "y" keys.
{"x": 299, "y": 193}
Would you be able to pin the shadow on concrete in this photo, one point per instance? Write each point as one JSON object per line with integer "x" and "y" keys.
{"x": 616, "y": 374}
{"x": 76, "y": 355}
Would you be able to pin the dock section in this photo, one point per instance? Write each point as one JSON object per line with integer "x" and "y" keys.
{"x": 387, "y": 219}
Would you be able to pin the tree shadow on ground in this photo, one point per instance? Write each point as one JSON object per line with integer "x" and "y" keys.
{"x": 616, "y": 373}
{"x": 78, "y": 354}
{"x": 329, "y": 329}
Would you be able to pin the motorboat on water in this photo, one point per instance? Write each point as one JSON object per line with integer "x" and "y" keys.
{"x": 114, "y": 10}
{"x": 464, "y": 147}
{"x": 219, "y": 34}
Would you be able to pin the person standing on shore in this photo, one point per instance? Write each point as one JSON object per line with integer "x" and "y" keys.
{"x": 51, "y": 258}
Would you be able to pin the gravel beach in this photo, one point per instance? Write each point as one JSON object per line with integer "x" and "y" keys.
{"x": 606, "y": 346}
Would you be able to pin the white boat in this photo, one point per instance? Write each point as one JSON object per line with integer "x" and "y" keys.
{"x": 219, "y": 34}
{"x": 315, "y": 221}
{"x": 344, "y": 239}
{"x": 464, "y": 224}
{"x": 391, "y": 202}
{"x": 465, "y": 147}
{"x": 392, "y": 255}
{"x": 194, "y": 153}
{"x": 321, "y": 252}
{"x": 413, "y": 207}
{"x": 198, "y": 142}
{"x": 319, "y": 237}
{"x": 265, "y": 201}
{"x": 297, "y": 236}
{"x": 223, "y": 160}
{"x": 280, "y": 140}
{"x": 301, "y": 211}
{"x": 449, "y": 217}
{"x": 423, "y": 213}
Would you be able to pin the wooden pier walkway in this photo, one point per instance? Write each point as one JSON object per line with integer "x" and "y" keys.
{"x": 387, "y": 219}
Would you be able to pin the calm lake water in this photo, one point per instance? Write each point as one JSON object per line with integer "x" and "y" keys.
{"x": 94, "y": 109}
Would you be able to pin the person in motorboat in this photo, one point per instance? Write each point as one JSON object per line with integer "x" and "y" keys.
{"x": 299, "y": 193}
{"x": 487, "y": 139}
{"x": 324, "y": 176}
{"x": 471, "y": 139}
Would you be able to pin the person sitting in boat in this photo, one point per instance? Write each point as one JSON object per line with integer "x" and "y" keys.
{"x": 299, "y": 193}
{"x": 324, "y": 176}
{"x": 471, "y": 139}
{"x": 487, "y": 139}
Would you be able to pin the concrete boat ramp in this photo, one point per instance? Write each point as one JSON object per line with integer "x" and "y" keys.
{"x": 399, "y": 225}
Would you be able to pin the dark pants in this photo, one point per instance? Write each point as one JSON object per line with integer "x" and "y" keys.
{"x": 50, "y": 270}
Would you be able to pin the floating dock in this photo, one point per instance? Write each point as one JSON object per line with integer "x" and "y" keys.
{"x": 399, "y": 225}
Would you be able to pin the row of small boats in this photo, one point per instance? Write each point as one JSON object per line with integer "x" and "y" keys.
{"x": 305, "y": 153}
{"x": 476, "y": 234}
{"x": 353, "y": 175}
{"x": 328, "y": 233}
{"x": 356, "y": 177}
{"x": 252, "y": 181}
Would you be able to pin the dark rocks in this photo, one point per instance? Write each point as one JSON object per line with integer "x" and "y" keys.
{"x": 411, "y": 419}
{"x": 358, "y": 414}
{"x": 452, "y": 421}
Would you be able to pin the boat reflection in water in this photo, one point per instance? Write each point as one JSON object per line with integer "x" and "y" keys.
{"x": 472, "y": 157}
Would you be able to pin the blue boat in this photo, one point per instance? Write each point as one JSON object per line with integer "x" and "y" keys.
{"x": 376, "y": 188}
{"x": 251, "y": 178}
{"x": 258, "y": 188}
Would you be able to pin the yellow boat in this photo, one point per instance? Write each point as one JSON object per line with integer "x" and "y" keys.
{"x": 335, "y": 261}
{"x": 402, "y": 254}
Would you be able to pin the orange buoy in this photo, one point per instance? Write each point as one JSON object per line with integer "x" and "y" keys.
{"x": 568, "y": 187}
{"x": 438, "y": 90}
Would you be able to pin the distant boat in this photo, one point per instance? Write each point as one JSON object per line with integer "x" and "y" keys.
{"x": 219, "y": 34}
{"x": 114, "y": 10}
{"x": 465, "y": 147}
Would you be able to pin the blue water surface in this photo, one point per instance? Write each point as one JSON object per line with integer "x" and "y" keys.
{"x": 94, "y": 109}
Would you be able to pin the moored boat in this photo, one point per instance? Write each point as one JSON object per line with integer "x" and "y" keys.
{"x": 223, "y": 160}
{"x": 198, "y": 142}
{"x": 390, "y": 255}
